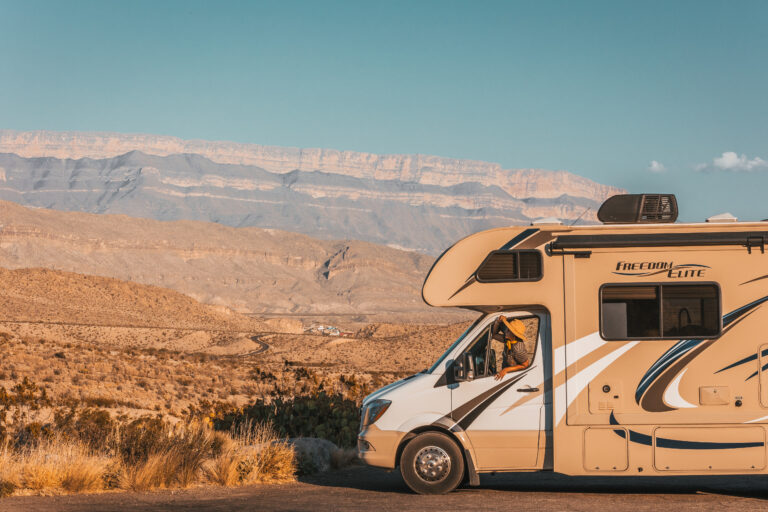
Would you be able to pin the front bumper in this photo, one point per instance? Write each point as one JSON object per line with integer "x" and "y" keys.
{"x": 377, "y": 447}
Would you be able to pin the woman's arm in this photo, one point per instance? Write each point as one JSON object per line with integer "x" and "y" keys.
{"x": 515, "y": 368}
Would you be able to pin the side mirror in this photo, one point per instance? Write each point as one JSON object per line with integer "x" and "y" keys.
{"x": 464, "y": 368}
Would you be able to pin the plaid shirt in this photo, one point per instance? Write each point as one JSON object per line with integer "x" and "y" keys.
{"x": 516, "y": 355}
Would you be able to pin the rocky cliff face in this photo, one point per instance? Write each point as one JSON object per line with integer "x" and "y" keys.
{"x": 423, "y": 169}
{"x": 409, "y": 201}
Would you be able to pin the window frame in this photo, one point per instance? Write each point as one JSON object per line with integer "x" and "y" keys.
{"x": 661, "y": 286}
{"x": 518, "y": 280}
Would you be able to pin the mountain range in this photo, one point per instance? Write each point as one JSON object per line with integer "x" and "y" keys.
{"x": 416, "y": 202}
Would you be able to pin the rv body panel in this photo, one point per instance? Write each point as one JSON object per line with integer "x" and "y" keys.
{"x": 688, "y": 395}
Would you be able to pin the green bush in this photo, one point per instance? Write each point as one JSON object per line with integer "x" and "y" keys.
{"x": 93, "y": 427}
{"x": 141, "y": 438}
{"x": 32, "y": 433}
{"x": 6, "y": 488}
{"x": 331, "y": 417}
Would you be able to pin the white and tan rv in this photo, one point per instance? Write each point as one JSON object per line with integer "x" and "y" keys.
{"x": 648, "y": 344}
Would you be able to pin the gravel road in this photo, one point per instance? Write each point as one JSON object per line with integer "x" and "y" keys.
{"x": 362, "y": 488}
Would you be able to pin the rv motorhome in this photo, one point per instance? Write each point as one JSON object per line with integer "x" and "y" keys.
{"x": 648, "y": 345}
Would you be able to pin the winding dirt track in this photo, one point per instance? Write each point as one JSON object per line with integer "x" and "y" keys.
{"x": 264, "y": 347}
{"x": 361, "y": 488}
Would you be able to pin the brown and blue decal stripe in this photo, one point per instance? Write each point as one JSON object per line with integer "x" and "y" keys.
{"x": 464, "y": 415}
{"x": 683, "y": 347}
{"x": 679, "y": 444}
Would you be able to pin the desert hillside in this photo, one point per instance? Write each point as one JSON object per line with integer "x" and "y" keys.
{"x": 51, "y": 296}
{"x": 416, "y": 202}
{"x": 251, "y": 270}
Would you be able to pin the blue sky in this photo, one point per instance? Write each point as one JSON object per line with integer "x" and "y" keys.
{"x": 602, "y": 89}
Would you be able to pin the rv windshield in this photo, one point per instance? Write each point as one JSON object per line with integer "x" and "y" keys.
{"x": 453, "y": 345}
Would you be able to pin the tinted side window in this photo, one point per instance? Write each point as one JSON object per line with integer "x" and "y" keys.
{"x": 691, "y": 311}
{"x": 630, "y": 312}
{"x": 508, "y": 266}
{"x": 660, "y": 311}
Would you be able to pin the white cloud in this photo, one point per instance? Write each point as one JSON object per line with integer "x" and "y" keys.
{"x": 655, "y": 166}
{"x": 732, "y": 162}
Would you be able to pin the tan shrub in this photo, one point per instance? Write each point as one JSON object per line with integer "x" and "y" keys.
{"x": 276, "y": 462}
{"x": 169, "y": 457}
{"x": 254, "y": 454}
{"x": 150, "y": 474}
{"x": 224, "y": 469}
{"x": 54, "y": 466}
{"x": 84, "y": 475}
{"x": 272, "y": 459}
{"x": 176, "y": 460}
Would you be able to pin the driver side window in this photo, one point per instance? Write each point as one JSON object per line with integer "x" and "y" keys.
{"x": 488, "y": 352}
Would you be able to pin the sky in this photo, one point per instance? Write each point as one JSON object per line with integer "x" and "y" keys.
{"x": 648, "y": 96}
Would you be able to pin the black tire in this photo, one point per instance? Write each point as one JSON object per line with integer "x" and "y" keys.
{"x": 432, "y": 463}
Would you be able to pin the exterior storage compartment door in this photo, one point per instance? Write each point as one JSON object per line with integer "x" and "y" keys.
{"x": 709, "y": 448}
{"x": 605, "y": 449}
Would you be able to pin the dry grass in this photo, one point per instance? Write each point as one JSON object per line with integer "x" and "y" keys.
{"x": 225, "y": 469}
{"x": 276, "y": 462}
{"x": 189, "y": 455}
{"x": 150, "y": 474}
{"x": 54, "y": 466}
{"x": 253, "y": 454}
{"x": 177, "y": 462}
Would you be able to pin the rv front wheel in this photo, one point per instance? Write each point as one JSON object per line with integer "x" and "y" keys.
{"x": 431, "y": 463}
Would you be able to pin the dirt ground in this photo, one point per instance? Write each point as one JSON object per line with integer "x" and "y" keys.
{"x": 363, "y": 488}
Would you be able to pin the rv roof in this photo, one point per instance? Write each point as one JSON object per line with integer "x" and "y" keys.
{"x": 735, "y": 226}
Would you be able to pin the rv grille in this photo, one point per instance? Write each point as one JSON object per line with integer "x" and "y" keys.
{"x": 656, "y": 208}
{"x": 504, "y": 266}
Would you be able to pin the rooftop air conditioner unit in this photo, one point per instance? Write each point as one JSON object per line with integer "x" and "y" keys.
{"x": 638, "y": 209}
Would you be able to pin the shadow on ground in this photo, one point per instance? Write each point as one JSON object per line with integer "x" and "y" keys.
{"x": 385, "y": 481}
{"x": 363, "y": 488}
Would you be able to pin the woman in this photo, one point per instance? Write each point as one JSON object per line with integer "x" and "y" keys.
{"x": 512, "y": 334}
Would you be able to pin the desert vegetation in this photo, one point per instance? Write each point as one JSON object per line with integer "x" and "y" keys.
{"x": 82, "y": 410}
{"x": 83, "y": 447}
{"x": 87, "y": 449}
{"x": 141, "y": 455}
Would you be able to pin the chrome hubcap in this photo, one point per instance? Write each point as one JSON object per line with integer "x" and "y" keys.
{"x": 432, "y": 464}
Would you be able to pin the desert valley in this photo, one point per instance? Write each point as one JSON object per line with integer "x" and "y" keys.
{"x": 287, "y": 256}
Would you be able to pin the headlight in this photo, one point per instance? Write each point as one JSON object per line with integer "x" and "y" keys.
{"x": 373, "y": 412}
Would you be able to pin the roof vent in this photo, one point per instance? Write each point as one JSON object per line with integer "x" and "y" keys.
{"x": 723, "y": 217}
{"x": 547, "y": 220}
{"x": 638, "y": 209}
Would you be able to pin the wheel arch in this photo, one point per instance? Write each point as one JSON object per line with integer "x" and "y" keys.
{"x": 407, "y": 438}
{"x": 469, "y": 464}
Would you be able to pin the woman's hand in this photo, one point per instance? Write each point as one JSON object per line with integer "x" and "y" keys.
{"x": 502, "y": 373}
